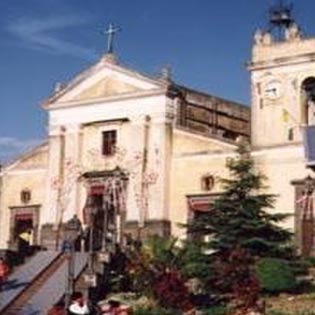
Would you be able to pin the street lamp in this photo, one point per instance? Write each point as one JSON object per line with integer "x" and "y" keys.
{"x": 103, "y": 255}
{"x": 121, "y": 178}
{"x": 72, "y": 231}
{"x": 309, "y": 184}
{"x": 91, "y": 210}
{"x": 113, "y": 212}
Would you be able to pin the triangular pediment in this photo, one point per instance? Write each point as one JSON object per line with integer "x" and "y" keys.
{"x": 32, "y": 160}
{"x": 108, "y": 86}
{"x": 104, "y": 80}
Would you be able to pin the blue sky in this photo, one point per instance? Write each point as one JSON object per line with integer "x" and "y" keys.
{"x": 206, "y": 42}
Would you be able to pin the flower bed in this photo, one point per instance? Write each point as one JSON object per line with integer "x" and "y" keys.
{"x": 286, "y": 304}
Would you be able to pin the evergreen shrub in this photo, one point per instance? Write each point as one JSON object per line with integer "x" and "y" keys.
{"x": 216, "y": 310}
{"x": 156, "y": 311}
{"x": 275, "y": 275}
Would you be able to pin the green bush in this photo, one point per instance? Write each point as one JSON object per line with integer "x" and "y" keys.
{"x": 155, "y": 311}
{"x": 216, "y": 310}
{"x": 194, "y": 263}
{"x": 310, "y": 261}
{"x": 275, "y": 275}
{"x": 301, "y": 267}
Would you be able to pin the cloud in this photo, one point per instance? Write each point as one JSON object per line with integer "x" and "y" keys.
{"x": 40, "y": 33}
{"x": 11, "y": 147}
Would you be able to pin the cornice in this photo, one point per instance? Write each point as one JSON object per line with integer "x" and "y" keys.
{"x": 280, "y": 62}
{"x": 109, "y": 99}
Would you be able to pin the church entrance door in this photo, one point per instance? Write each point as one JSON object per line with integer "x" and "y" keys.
{"x": 22, "y": 223}
{"x": 23, "y": 219}
{"x": 105, "y": 210}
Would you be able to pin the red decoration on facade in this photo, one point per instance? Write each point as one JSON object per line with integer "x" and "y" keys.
{"x": 307, "y": 223}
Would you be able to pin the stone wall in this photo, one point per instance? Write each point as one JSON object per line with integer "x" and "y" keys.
{"x": 212, "y": 116}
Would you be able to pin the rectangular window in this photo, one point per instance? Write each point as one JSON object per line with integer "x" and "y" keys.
{"x": 109, "y": 139}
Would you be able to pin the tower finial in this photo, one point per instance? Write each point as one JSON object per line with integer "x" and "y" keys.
{"x": 280, "y": 17}
{"x": 111, "y": 32}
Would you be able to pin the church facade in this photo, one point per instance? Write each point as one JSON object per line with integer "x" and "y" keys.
{"x": 134, "y": 155}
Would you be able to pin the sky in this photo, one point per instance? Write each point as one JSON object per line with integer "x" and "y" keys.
{"x": 205, "y": 42}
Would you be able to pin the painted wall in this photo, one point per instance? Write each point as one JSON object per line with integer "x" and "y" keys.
{"x": 280, "y": 165}
{"x": 83, "y": 126}
{"x": 277, "y": 72}
{"x": 29, "y": 174}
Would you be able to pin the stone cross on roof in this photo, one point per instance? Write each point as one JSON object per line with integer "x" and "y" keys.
{"x": 111, "y": 31}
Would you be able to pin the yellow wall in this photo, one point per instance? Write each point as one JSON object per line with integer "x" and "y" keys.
{"x": 193, "y": 157}
{"x": 281, "y": 166}
{"x": 28, "y": 174}
{"x": 185, "y": 143}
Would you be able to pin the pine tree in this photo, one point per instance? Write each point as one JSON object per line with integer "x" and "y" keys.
{"x": 242, "y": 227}
{"x": 242, "y": 216}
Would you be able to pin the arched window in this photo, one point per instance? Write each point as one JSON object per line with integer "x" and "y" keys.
{"x": 308, "y": 101}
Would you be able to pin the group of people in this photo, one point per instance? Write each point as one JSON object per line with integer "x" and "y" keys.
{"x": 4, "y": 272}
{"x": 80, "y": 306}
{"x": 24, "y": 243}
{"x": 115, "y": 308}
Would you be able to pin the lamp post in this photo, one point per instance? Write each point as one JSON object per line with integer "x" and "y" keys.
{"x": 68, "y": 251}
{"x": 113, "y": 201}
{"x": 91, "y": 209}
{"x": 121, "y": 179}
{"x": 73, "y": 229}
{"x": 309, "y": 184}
{"x": 91, "y": 237}
{"x": 103, "y": 255}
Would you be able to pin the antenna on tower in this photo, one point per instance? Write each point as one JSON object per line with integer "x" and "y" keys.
{"x": 280, "y": 18}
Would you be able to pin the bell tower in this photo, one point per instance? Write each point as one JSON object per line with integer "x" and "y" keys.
{"x": 282, "y": 81}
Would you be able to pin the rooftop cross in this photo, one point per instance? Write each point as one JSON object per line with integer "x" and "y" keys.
{"x": 111, "y": 31}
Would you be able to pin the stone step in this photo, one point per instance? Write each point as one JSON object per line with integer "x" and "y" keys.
{"x": 24, "y": 275}
{"x": 19, "y": 303}
{"x": 54, "y": 287}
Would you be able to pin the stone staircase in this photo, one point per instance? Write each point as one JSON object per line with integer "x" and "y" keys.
{"x": 21, "y": 301}
{"x": 23, "y": 276}
{"x": 46, "y": 288}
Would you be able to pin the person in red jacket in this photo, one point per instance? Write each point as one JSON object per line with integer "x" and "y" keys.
{"x": 114, "y": 308}
{"x": 4, "y": 272}
{"x": 58, "y": 309}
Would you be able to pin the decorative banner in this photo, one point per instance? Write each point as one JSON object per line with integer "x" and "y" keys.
{"x": 201, "y": 203}
{"x": 309, "y": 145}
{"x": 306, "y": 205}
{"x": 23, "y": 216}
